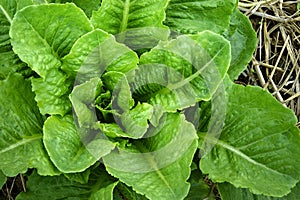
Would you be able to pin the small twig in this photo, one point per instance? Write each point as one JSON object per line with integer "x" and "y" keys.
{"x": 12, "y": 185}
{"x": 277, "y": 93}
{"x": 290, "y": 50}
{"x": 280, "y": 4}
{"x": 280, "y": 55}
{"x": 286, "y": 79}
{"x": 286, "y": 91}
{"x": 275, "y": 27}
{"x": 296, "y": 68}
{"x": 271, "y": 17}
{"x": 23, "y": 182}
{"x": 245, "y": 5}
{"x": 259, "y": 73}
{"x": 266, "y": 42}
{"x": 292, "y": 97}
{"x": 291, "y": 2}
{"x": 8, "y": 193}
{"x": 298, "y": 101}
{"x": 297, "y": 37}
{"x": 271, "y": 66}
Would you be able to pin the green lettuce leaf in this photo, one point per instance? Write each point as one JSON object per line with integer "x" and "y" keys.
{"x": 112, "y": 130}
{"x": 9, "y": 61}
{"x": 259, "y": 147}
{"x": 179, "y": 73}
{"x": 83, "y": 97}
{"x": 157, "y": 166}
{"x": 135, "y": 121}
{"x": 229, "y": 192}
{"x": 21, "y": 130}
{"x": 122, "y": 191}
{"x": 126, "y": 14}
{"x": 132, "y": 120}
{"x": 88, "y": 6}
{"x": 104, "y": 193}
{"x": 117, "y": 82}
{"x": 72, "y": 149}
{"x": 139, "y": 22}
{"x": 243, "y": 42}
{"x": 2, "y": 179}
{"x": 52, "y": 93}
{"x": 95, "y": 53}
{"x": 99, "y": 187}
{"x": 199, "y": 189}
{"x": 113, "y": 82}
{"x": 190, "y": 16}
{"x": 42, "y": 42}
{"x": 81, "y": 177}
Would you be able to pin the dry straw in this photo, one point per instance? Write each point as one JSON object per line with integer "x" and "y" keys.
{"x": 275, "y": 63}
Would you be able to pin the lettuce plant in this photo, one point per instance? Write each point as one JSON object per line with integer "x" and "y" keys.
{"x": 136, "y": 100}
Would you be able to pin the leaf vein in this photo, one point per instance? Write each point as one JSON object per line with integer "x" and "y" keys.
{"x": 239, "y": 153}
{"x": 21, "y": 142}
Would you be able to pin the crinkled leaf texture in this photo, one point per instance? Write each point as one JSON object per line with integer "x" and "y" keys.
{"x": 259, "y": 147}
{"x": 126, "y": 14}
{"x": 88, "y": 6}
{"x": 21, "y": 124}
{"x": 72, "y": 149}
{"x": 97, "y": 52}
{"x": 243, "y": 42}
{"x": 41, "y": 42}
{"x": 52, "y": 93}
{"x": 179, "y": 73}
{"x": 190, "y": 16}
{"x": 137, "y": 23}
{"x": 157, "y": 166}
{"x": 229, "y": 192}
{"x": 9, "y": 61}
{"x": 99, "y": 187}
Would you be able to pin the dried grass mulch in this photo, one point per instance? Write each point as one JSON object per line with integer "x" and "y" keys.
{"x": 275, "y": 65}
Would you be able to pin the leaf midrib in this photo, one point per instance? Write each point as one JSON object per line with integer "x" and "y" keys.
{"x": 9, "y": 19}
{"x": 44, "y": 41}
{"x": 153, "y": 164}
{"x": 125, "y": 16}
{"x": 189, "y": 79}
{"x": 24, "y": 141}
{"x": 238, "y": 153}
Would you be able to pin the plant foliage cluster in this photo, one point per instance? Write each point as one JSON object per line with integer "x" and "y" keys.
{"x": 125, "y": 99}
